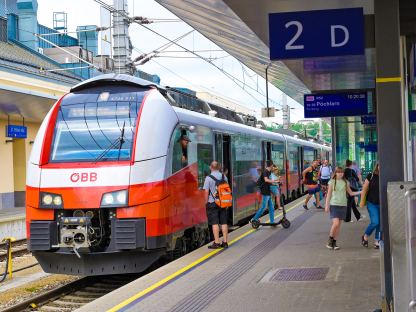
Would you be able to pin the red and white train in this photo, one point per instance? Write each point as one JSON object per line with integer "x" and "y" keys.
{"x": 111, "y": 187}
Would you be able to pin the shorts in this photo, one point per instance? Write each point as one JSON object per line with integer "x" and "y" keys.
{"x": 339, "y": 212}
{"x": 313, "y": 189}
{"x": 325, "y": 181}
{"x": 215, "y": 214}
{"x": 275, "y": 190}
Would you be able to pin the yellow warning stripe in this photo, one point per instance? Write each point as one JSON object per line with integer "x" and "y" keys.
{"x": 389, "y": 79}
{"x": 181, "y": 271}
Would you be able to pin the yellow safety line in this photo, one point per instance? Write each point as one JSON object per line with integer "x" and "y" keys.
{"x": 389, "y": 79}
{"x": 181, "y": 271}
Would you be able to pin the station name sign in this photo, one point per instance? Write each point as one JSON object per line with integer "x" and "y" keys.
{"x": 15, "y": 131}
{"x": 317, "y": 33}
{"x": 335, "y": 105}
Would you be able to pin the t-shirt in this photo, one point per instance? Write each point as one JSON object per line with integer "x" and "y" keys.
{"x": 210, "y": 185}
{"x": 265, "y": 187}
{"x": 339, "y": 192}
{"x": 373, "y": 195}
{"x": 312, "y": 176}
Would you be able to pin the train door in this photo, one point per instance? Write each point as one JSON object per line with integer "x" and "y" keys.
{"x": 223, "y": 156}
{"x": 278, "y": 157}
{"x": 226, "y": 157}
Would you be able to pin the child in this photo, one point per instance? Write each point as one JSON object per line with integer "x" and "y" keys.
{"x": 336, "y": 204}
{"x": 275, "y": 187}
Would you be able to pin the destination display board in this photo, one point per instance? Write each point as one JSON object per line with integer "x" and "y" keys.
{"x": 335, "y": 104}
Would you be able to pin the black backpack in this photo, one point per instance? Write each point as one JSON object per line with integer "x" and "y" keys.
{"x": 260, "y": 181}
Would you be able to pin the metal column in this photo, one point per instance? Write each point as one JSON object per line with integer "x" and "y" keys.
{"x": 389, "y": 120}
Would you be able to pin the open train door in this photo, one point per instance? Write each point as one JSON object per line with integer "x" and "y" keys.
{"x": 223, "y": 156}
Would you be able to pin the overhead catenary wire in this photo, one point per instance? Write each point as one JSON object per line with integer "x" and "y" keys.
{"x": 230, "y": 76}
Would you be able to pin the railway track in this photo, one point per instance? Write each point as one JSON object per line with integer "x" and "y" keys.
{"x": 19, "y": 248}
{"x": 73, "y": 295}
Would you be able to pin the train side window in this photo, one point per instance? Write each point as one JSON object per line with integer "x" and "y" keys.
{"x": 205, "y": 157}
{"x": 180, "y": 150}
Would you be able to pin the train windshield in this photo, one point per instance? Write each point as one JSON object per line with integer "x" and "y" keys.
{"x": 96, "y": 125}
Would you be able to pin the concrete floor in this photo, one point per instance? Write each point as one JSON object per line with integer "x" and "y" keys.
{"x": 238, "y": 279}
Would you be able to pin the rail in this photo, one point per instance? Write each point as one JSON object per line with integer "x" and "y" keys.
{"x": 9, "y": 254}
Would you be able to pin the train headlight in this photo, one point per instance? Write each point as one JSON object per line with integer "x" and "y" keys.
{"x": 49, "y": 200}
{"x": 115, "y": 199}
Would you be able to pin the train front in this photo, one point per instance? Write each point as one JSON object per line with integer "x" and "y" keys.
{"x": 79, "y": 178}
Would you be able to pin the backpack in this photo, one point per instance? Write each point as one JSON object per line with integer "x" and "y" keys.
{"x": 223, "y": 197}
{"x": 328, "y": 173}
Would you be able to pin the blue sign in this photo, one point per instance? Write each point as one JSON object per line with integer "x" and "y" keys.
{"x": 14, "y": 131}
{"x": 316, "y": 33}
{"x": 368, "y": 120}
{"x": 335, "y": 105}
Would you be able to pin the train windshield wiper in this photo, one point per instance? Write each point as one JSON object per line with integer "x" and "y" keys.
{"x": 117, "y": 142}
{"x": 121, "y": 141}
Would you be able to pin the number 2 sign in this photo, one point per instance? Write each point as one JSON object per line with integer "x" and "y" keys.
{"x": 316, "y": 33}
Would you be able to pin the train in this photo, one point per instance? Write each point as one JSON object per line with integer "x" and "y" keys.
{"x": 112, "y": 187}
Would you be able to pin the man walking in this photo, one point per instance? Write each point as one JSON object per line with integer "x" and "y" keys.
{"x": 266, "y": 198}
{"x": 216, "y": 216}
{"x": 310, "y": 179}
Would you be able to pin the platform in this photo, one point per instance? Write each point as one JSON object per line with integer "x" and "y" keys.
{"x": 263, "y": 270}
{"x": 13, "y": 223}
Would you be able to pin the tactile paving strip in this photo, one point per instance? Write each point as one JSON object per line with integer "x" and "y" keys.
{"x": 299, "y": 275}
{"x": 200, "y": 299}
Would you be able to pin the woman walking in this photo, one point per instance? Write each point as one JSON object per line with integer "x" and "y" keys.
{"x": 336, "y": 204}
{"x": 371, "y": 194}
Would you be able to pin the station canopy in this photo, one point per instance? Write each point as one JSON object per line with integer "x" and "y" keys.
{"x": 241, "y": 28}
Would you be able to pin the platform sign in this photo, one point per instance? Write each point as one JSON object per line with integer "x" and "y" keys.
{"x": 335, "y": 105}
{"x": 15, "y": 131}
{"x": 368, "y": 120}
{"x": 317, "y": 33}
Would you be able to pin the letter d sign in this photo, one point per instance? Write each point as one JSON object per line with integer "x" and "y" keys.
{"x": 346, "y": 36}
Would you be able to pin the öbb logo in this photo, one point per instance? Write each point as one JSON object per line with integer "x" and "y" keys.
{"x": 83, "y": 177}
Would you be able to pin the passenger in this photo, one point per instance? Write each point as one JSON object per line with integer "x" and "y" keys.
{"x": 275, "y": 187}
{"x": 352, "y": 178}
{"x": 184, "y": 141}
{"x": 310, "y": 179}
{"x": 216, "y": 216}
{"x": 325, "y": 172}
{"x": 371, "y": 194}
{"x": 357, "y": 171}
{"x": 253, "y": 172}
{"x": 336, "y": 204}
{"x": 264, "y": 183}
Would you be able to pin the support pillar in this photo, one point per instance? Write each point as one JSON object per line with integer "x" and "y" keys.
{"x": 389, "y": 121}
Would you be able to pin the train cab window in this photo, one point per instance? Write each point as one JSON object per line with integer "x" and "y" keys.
{"x": 180, "y": 150}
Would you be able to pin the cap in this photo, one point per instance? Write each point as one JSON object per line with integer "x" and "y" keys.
{"x": 184, "y": 137}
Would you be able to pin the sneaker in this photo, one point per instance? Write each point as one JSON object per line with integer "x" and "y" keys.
{"x": 364, "y": 242}
{"x": 334, "y": 245}
{"x": 319, "y": 207}
{"x": 224, "y": 245}
{"x": 305, "y": 207}
{"x": 214, "y": 246}
{"x": 329, "y": 244}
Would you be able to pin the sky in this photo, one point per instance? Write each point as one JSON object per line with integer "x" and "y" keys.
{"x": 183, "y": 70}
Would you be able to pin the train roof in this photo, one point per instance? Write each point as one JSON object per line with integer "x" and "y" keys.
{"x": 193, "y": 118}
{"x": 128, "y": 79}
